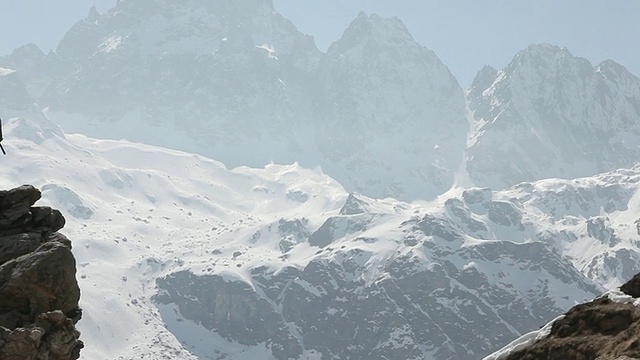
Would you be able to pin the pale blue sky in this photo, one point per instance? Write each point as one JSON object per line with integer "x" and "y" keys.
{"x": 466, "y": 34}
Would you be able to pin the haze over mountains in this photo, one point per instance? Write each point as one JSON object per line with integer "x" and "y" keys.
{"x": 280, "y": 261}
{"x": 246, "y": 87}
{"x": 550, "y": 114}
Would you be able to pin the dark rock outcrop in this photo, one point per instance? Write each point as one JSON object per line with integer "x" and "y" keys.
{"x": 632, "y": 287}
{"x": 598, "y": 330}
{"x": 39, "y": 293}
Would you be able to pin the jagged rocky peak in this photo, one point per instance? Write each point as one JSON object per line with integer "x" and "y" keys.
{"x": 26, "y": 54}
{"x": 375, "y": 38}
{"x": 542, "y": 53}
{"x": 388, "y": 106}
{"x": 193, "y": 75}
{"x": 551, "y": 114}
{"x": 484, "y": 78}
{"x": 353, "y": 205}
{"x": 39, "y": 293}
{"x": 545, "y": 63}
{"x": 481, "y": 83}
{"x": 367, "y": 31}
{"x": 30, "y": 65}
{"x": 200, "y": 27}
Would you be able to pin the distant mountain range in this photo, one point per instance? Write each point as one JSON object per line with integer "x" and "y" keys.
{"x": 507, "y": 203}
{"x": 551, "y": 114}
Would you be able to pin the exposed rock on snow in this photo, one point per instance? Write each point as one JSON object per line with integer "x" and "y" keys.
{"x": 382, "y": 284}
{"x": 606, "y": 328}
{"x": 38, "y": 290}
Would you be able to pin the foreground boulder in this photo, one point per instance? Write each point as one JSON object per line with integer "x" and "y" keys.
{"x": 607, "y": 328}
{"x": 39, "y": 293}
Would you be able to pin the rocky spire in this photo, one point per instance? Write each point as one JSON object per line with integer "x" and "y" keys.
{"x": 39, "y": 293}
{"x": 389, "y": 109}
{"x": 551, "y": 114}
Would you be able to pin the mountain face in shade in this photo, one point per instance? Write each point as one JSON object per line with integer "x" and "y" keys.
{"x": 390, "y": 109}
{"x": 551, "y": 114}
{"x": 13, "y": 94}
{"x": 237, "y": 81}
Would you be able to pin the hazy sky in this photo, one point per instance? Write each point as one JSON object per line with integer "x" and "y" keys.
{"x": 465, "y": 34}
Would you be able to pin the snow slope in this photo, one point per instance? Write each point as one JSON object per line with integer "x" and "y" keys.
{"x": 156, "y": 230}
{"x": 132, "y": 218}
{"x": 181, "y": 257}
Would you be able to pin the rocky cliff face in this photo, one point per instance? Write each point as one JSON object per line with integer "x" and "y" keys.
{"x": 551, "y": 114}
{"x": 38, "y": 289}
{"x": 389, "y": 109}
{"x": 607, "y": 328}
{"x": 382, "y": 282}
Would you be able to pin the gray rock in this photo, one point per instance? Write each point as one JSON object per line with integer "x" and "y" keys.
{"x": 39, "y": 293}
{"x": 550, "y": 114}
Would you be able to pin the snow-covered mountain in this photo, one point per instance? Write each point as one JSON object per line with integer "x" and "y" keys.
{"x": 261, "y": 263}
{"x": 310, "y": 260}
{"x": 236, "y": 81}
{"x": 281, "y": 262}
{"x": 199, "y": 75}
{"x": 550, "y": 114}
{"x": 389, "y": 106}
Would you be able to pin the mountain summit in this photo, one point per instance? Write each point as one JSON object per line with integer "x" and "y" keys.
{"x": 237, "y": 81}
{"x": 389, "y": 107}
{"x": 551, "y": 114}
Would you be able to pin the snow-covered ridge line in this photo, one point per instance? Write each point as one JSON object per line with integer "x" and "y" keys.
{"x": 524, "y": 341}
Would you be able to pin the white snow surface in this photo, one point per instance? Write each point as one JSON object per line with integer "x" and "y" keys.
{"x": 135, "y": 212}
{"x": 618, "y": 296}
{"x": 524, "y": 341}
{"x": 5, "y": 72}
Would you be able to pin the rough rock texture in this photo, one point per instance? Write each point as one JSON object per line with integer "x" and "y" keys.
{"x": 423, "y": 290}
{"x": 550, "y": 114}
{"x": 38, "y": 289}
{"x": 632, "y": 287}
{"x": 597, "y": 330}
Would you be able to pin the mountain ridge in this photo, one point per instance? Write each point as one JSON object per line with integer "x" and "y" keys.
{"x": 139, "y": 226}
{"x": 213, "y": 97}
{"x": 558, "y": 110}
{"x": 187, "y": 249}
